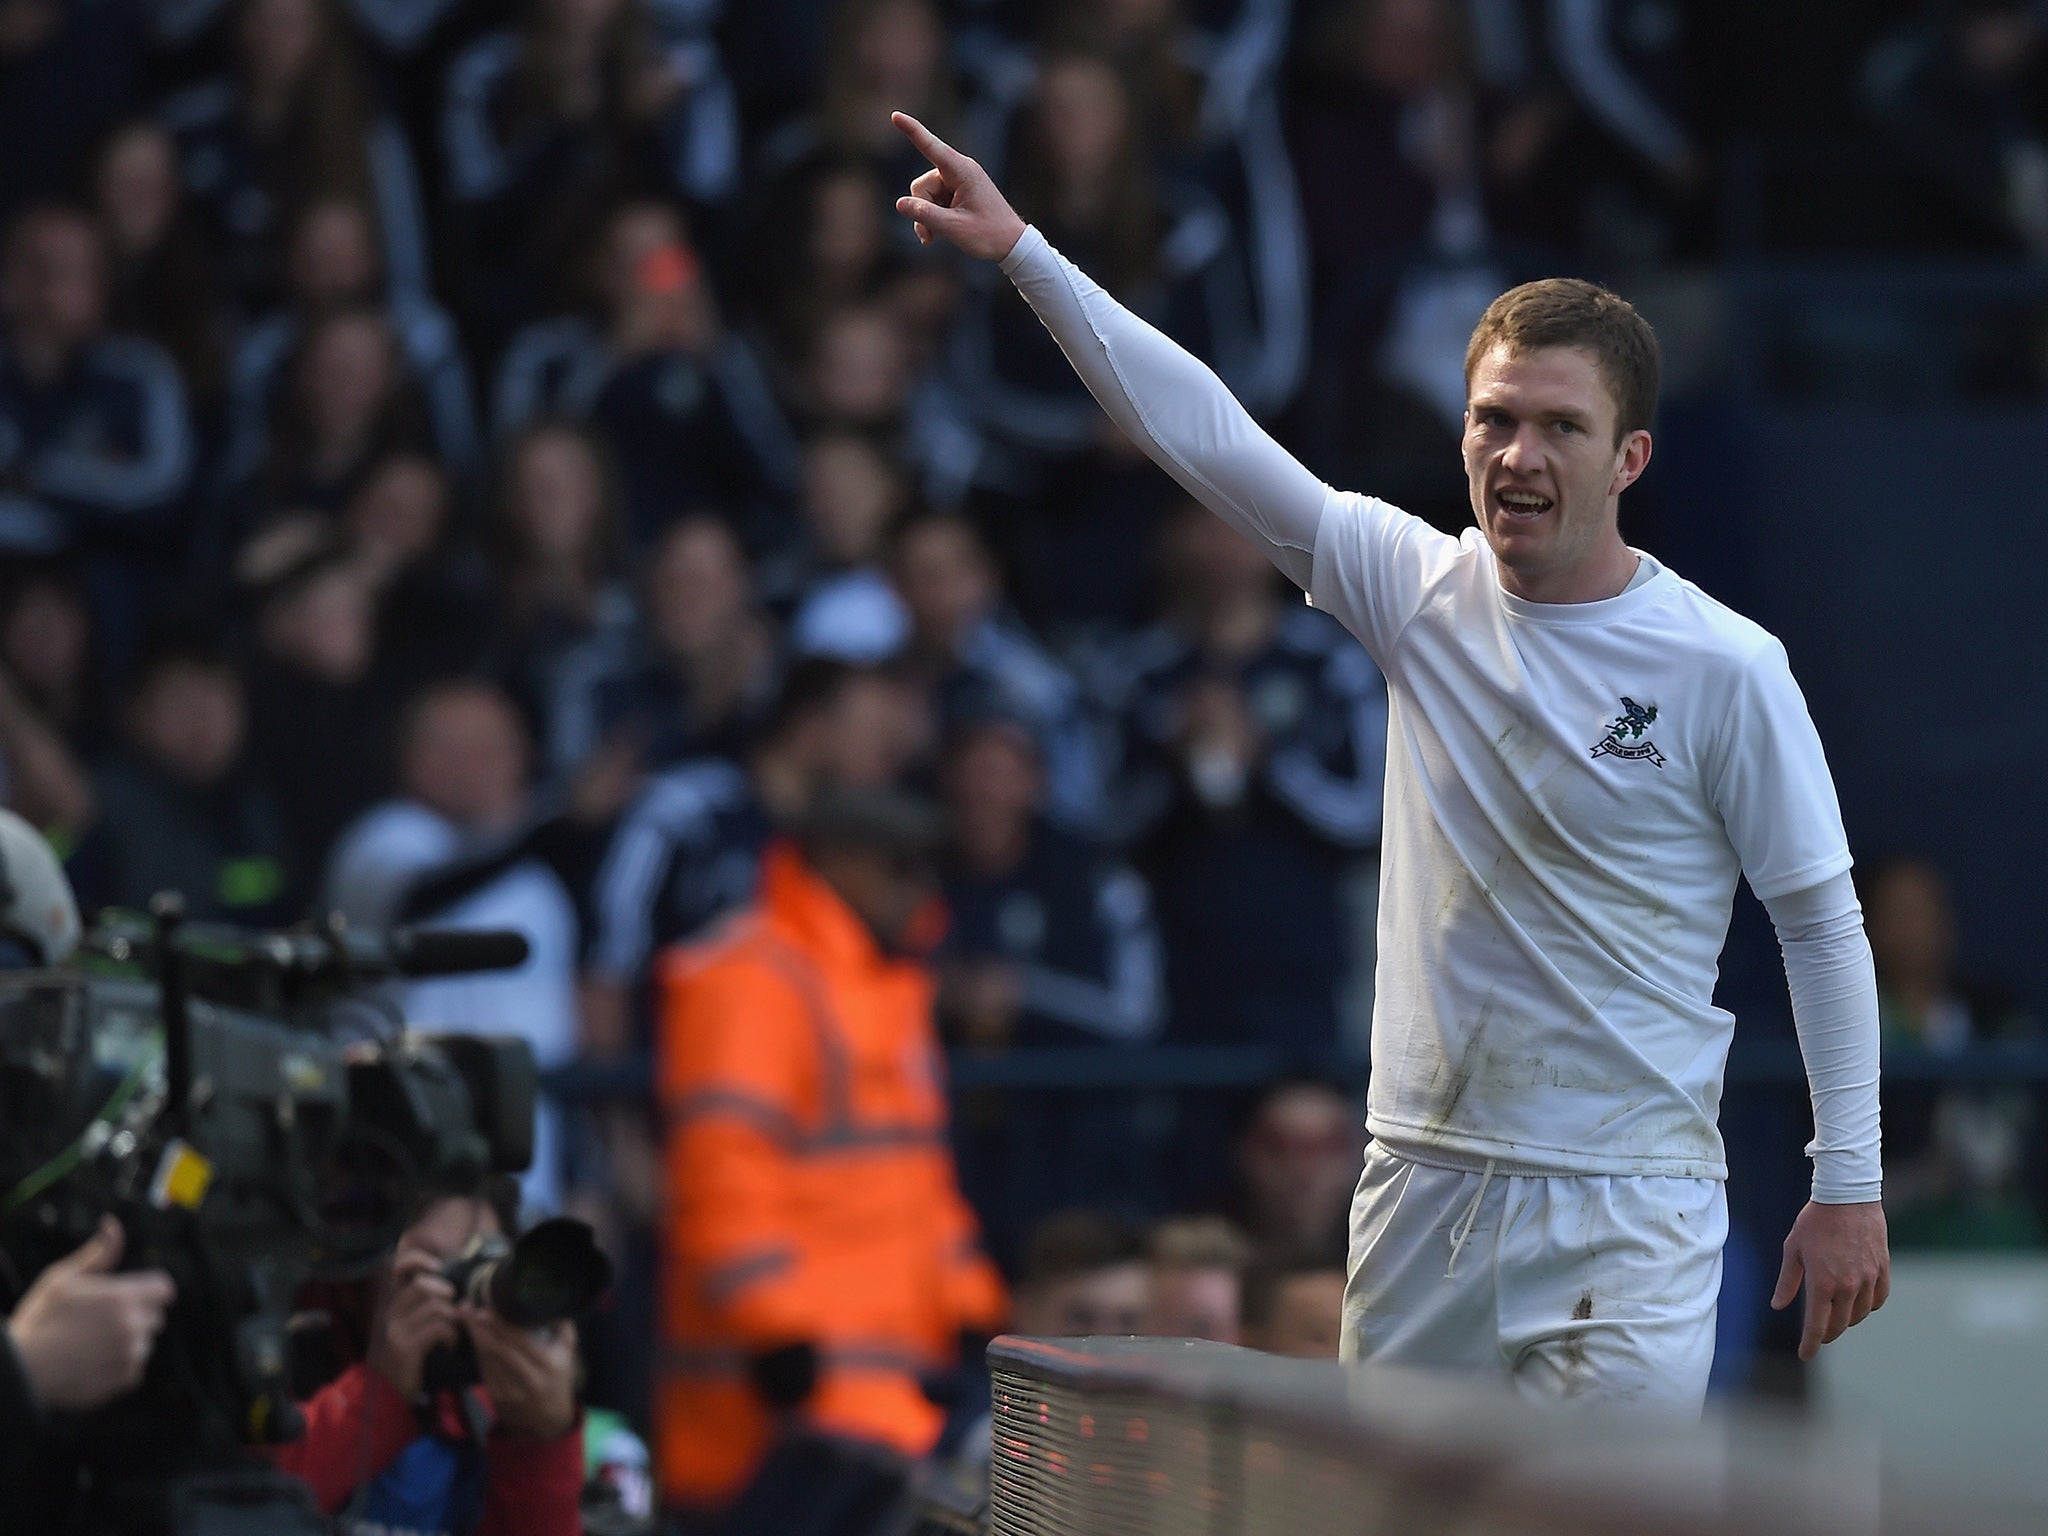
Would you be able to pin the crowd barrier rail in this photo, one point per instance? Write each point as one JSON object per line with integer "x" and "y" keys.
{"x": 1158, "y": 1437}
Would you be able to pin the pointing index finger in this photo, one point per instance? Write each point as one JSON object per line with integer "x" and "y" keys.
{"x": 929, "y": 144}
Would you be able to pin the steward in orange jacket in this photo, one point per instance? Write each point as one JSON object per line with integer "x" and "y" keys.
{"x": 819, "y": 1260}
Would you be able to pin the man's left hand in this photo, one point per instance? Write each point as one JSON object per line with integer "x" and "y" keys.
{"x": 1842, "y": 1254}
{"x": 529, "y": 1373}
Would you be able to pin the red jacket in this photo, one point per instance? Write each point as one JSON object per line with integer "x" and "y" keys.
{"x": 358, "y": 1423}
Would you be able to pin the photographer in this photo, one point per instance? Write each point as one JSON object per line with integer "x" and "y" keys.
{"x": 393, "y": 1443}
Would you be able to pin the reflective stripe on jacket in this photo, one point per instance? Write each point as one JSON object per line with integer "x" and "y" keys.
{"x": 812, "y": 1194}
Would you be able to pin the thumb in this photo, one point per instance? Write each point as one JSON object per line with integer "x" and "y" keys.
{"x": 98, "y": 1254}
{"x": 1789, "y": 1276}
{"x": 930, "y": 214}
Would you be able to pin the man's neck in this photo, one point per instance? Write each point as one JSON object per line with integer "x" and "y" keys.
{"x": 1608, "y": 575}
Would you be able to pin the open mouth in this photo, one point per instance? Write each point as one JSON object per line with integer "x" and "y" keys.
{"x": 1521, "y": 506}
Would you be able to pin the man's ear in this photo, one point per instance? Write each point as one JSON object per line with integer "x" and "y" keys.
{"x": 1633, "y": 459}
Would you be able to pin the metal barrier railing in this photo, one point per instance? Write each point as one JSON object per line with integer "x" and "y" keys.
{"x": 1155, "y": 1437}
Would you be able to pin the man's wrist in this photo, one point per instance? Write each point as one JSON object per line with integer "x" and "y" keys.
{"x": 1014, "y": 256}
{"x": 19, "y": 1400}
{"x": 1847, "y": 1194}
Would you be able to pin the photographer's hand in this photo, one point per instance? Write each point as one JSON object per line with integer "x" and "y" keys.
{"x": 530, "y": 1373}
{"x": 83, "y": 1332}
{"x": 418, "y": 1313}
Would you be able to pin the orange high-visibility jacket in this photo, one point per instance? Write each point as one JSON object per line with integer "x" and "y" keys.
{"x": 811, "y": 1189}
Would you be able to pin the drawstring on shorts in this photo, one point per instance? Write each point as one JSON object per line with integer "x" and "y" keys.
{"x": 1463, "y": 1229}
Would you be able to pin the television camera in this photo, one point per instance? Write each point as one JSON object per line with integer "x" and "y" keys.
{"x": 253, "y": 1110}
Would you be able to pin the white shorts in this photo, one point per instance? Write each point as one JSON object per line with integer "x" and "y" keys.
{"x": 1586, "y": 1287}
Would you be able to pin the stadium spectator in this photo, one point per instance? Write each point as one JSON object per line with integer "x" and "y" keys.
{"x": 349, "y": 402}
{"x": 1146, "y": 40}
{"x": 1956, "y": 1158}
{"x": 332, "y": 264}
{"x": 95, "y": 444}
{"x": 842, "y": 255}
{"x": 548, "y": 124}
{"x": 1051, "y": 945}
{"x": 1628, "y": 158}
{"x": 1297, "y": 1162}
{"x": 799, "y": 1279}
{"x": 68, "y": 73}
{"x": 1165, "y": 242}
{"x": 432, "y": 599}
{"x": 1403, "y": 191}
{"x": 50, "y": 722}
{"x": 680, "y": 401}
{"x": 856, "y": 371}
{"x": 457, "y": 846}
{"x": 879, "y": 55}
{"x": 321, "y": 708}
{"x": 291, "y": 122}
{"x": 830, "y": 575}
{"x": 393, "y": 1445}
{"x": 1085, "y": 1275}
{"x": 690, "y": 681}
{"x": 1959, "y": 95}
{"x": 689, "y": 849}
{"x": 1198, "y": 1270}
{"x": 1160, "y": 243}
{"x": 552, "y": 541}
{"x": 1294, "y": 1307}
{"x": 965, "y": 641}
{"x": 46, "y": 648}
{"x": 161, "y": 282}
{"x": 860, "y": 372}
{"x": 1254, "y": 742}
{"x": 177, "y": 808}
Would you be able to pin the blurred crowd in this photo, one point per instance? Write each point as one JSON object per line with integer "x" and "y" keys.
{"x": 495, "y": 464}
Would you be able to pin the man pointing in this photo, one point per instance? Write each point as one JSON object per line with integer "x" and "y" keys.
{"x": 1585, "y": 753}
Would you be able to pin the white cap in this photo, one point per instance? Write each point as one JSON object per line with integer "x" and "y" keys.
{"x": 36, "y": 904}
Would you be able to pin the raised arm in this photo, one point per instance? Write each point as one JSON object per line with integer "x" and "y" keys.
{"x": 1166, "y": 400}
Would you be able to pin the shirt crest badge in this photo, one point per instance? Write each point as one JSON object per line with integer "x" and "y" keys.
{"x": 1628, "y": 735}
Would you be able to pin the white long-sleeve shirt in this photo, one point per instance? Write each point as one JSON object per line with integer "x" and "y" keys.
{"x": 1573, "y": 791}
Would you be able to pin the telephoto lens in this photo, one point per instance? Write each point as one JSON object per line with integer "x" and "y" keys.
{"x": 549, "y": 1274}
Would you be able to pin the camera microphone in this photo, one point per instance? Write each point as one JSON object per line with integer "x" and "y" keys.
{"x": 455, "y": 951}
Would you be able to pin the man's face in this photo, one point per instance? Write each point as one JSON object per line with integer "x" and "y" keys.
{"x": 1308, "y": 1316}
{"x": 993, "y": 776}
{"x": 190, "y": 720}
{"x": 945, "y": 581}
{"x": 889, "y": 890}
{"x": 1300, "y": 1161}
{"x": 1196, "y": 1304}
{"x": 864, "y": 739}
{"x": 698, "y": 590}
{"x": 53, "y": 285}
{"x": 1543, "y": 465}
{"x": 1110, "y": 1302}
{"x": 1911, "y": 924}
{"x": 445, "y": 1229}
{"x": 467, "y": 759}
